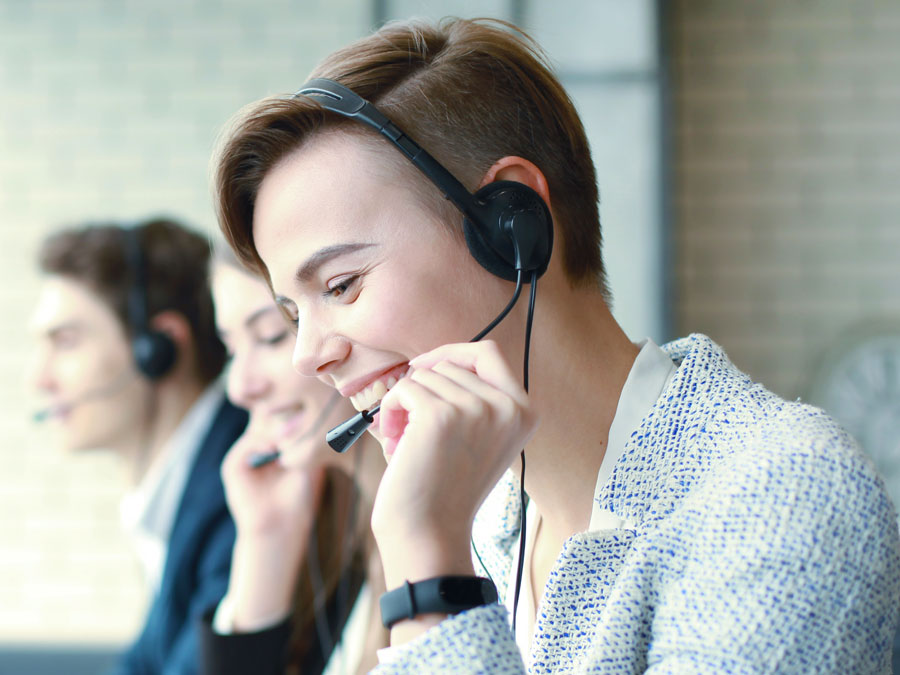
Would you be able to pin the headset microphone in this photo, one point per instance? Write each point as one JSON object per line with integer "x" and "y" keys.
{"x": 114, "y": 387}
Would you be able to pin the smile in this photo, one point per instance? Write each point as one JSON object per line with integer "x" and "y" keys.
{"x": 375, "y": 391}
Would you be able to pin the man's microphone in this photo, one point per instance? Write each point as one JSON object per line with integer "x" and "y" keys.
{"x": 58, "y": 409}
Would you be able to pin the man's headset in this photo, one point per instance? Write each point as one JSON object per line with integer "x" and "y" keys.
{"x": 508, "y": 227}
{"x": 154, "y": 352}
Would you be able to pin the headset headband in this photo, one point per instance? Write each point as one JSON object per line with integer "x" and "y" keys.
{"x": 339, "y": 99}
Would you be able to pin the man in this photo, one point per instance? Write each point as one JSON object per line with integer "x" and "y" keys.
{"x": 128, "y": 359}
{"x": 681, "y": 519}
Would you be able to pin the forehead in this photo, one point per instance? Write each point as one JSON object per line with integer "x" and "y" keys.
{"x": 237, "y": 295}
{"x": 336, "y": 187}
{"x": 63, "y": 301}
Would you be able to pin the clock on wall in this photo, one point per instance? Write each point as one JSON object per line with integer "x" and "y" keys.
{"x": 858, "y": 383}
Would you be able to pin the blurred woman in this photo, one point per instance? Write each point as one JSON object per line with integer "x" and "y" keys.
{"x": 304, "y": 574}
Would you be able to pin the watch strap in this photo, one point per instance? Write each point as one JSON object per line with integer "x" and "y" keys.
{"x": 438, "y": 595}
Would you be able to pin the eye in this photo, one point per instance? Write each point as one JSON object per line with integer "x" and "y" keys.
{"x": 274, "y": 340}
{"x": 341, "y": 286}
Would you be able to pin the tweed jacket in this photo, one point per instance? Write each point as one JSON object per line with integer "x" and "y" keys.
{"x": 761, "y": 540}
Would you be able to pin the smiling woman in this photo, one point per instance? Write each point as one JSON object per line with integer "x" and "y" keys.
{"x": 660, "y": 479}
{"x": 301, "y": 589}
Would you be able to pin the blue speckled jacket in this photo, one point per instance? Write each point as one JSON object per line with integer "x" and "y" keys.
{"x": 763, "y": 542}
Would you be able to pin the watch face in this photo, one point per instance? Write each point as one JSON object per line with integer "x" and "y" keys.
{"x": 860, "y": 387}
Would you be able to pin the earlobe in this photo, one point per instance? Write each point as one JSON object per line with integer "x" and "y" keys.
{"x": 174, "y": 326}
{"x": 519, "y": 170}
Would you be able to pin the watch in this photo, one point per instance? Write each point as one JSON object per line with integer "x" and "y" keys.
{"x": 438, "y": 595}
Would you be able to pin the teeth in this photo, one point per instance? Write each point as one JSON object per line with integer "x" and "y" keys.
{"x": 369, "y": 396}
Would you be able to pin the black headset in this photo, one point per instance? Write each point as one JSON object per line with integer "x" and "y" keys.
{"x": 507, "y": 225}
{"x": 153, "y": 351}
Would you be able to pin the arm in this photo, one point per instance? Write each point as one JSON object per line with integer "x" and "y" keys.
{"x": 461, "y": 413}
{"x": 794, "y": 567}
{"x": 273, "y": 509}
{"x": 261, "y": 652}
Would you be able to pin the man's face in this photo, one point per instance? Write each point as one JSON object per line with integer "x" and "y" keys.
{"x": 83, "y": 370}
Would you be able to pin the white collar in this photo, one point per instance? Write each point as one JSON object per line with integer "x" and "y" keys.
{"x": 649, "y": 376}
{"x": 148, "y": 511}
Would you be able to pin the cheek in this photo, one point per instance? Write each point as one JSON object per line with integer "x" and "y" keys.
{"x": 92, "y": 367}
{"x": 415, "y": 316}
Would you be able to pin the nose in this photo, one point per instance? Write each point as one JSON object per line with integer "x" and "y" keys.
{"x": 39, "y": 373}
{"x": 246, "y": 384}
{"x": 317, "y": 351}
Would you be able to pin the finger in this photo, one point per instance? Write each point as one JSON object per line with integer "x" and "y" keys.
{"x": 406, "y": 400}
{"x": 461, "y": 388}
{"x": 482, "y": 358}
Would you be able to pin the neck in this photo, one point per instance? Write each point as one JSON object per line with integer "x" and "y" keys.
{"x": 580, "y": 359}
{"x": 166, "y": 404}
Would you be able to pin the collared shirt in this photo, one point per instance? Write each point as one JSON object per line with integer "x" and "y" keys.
{"x": 649, "y": 376}
{"x": 148, "y": 512}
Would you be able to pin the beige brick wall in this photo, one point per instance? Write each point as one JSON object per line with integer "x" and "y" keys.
{"x": 787, "y": 176}
{"x": 109, "y": 110}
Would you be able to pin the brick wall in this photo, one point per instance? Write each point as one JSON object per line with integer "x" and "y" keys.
{"x": 787, "y": 169}
{"x": 110, "y": 110}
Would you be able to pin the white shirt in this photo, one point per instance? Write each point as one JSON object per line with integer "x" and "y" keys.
{"x": 649, "y": 376}
{"x": 148, "y": 512}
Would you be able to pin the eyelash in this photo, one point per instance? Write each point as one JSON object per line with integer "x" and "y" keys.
{"x": 276, "y": 339}
{"x": 339, "y": 289}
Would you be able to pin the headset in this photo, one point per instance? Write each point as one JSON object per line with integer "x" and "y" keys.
{"x": 508, "y": 230}
{"x": 508, "y": 227}
{"x": 153, "y": 351}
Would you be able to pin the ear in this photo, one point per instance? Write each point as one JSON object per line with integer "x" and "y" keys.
{"x": 520, "y": 170}
{"x": 174, "y": 325}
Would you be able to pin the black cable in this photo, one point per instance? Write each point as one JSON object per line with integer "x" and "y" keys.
{"x": 506, "y": 310}
{"x": 522, "y": 496}
{"x": 490, "y": 327}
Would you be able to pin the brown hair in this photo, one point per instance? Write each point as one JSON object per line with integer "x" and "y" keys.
{"x": 175, "y": 272}
{"x": 468, "y": 91}
{"x": 332, "y": 572}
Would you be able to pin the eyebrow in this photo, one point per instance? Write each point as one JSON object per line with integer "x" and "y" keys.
{"x": 311, "y": 266}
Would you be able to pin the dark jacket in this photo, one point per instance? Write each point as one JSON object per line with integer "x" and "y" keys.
{"x": 198, "y": 561}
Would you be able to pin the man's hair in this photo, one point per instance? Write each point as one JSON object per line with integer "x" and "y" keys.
{"x": 175, "y": 262}
{"x": 468, "y": 91}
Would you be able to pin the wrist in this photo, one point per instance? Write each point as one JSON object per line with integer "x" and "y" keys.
{"x": 263, "y": 575}
{"x": 412, "y": 558}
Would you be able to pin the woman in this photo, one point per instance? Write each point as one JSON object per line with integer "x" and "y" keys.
{"x": 303, "y": 574}
{"x": 681, "y": 518}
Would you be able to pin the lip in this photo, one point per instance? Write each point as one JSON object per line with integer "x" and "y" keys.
{"x": 355, "y": 386}
{"x": 284, "y": 421}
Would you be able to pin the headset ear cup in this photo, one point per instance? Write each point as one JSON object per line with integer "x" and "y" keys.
{"x": 491, "y": 241}
{"x": 154, "y": 354}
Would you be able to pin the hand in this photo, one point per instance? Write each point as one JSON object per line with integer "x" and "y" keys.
{"x": 449, "y": 430}
{"x": 277, "y": 499}
{"x": 273, "y": 507}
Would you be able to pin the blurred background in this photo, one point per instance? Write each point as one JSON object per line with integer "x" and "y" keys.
{"x": 748, "y": 155}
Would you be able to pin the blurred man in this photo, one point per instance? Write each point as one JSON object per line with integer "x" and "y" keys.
{"x": 128, "y": 359}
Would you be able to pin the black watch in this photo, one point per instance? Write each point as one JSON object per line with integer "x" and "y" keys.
{"x": 438, "y": 595}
